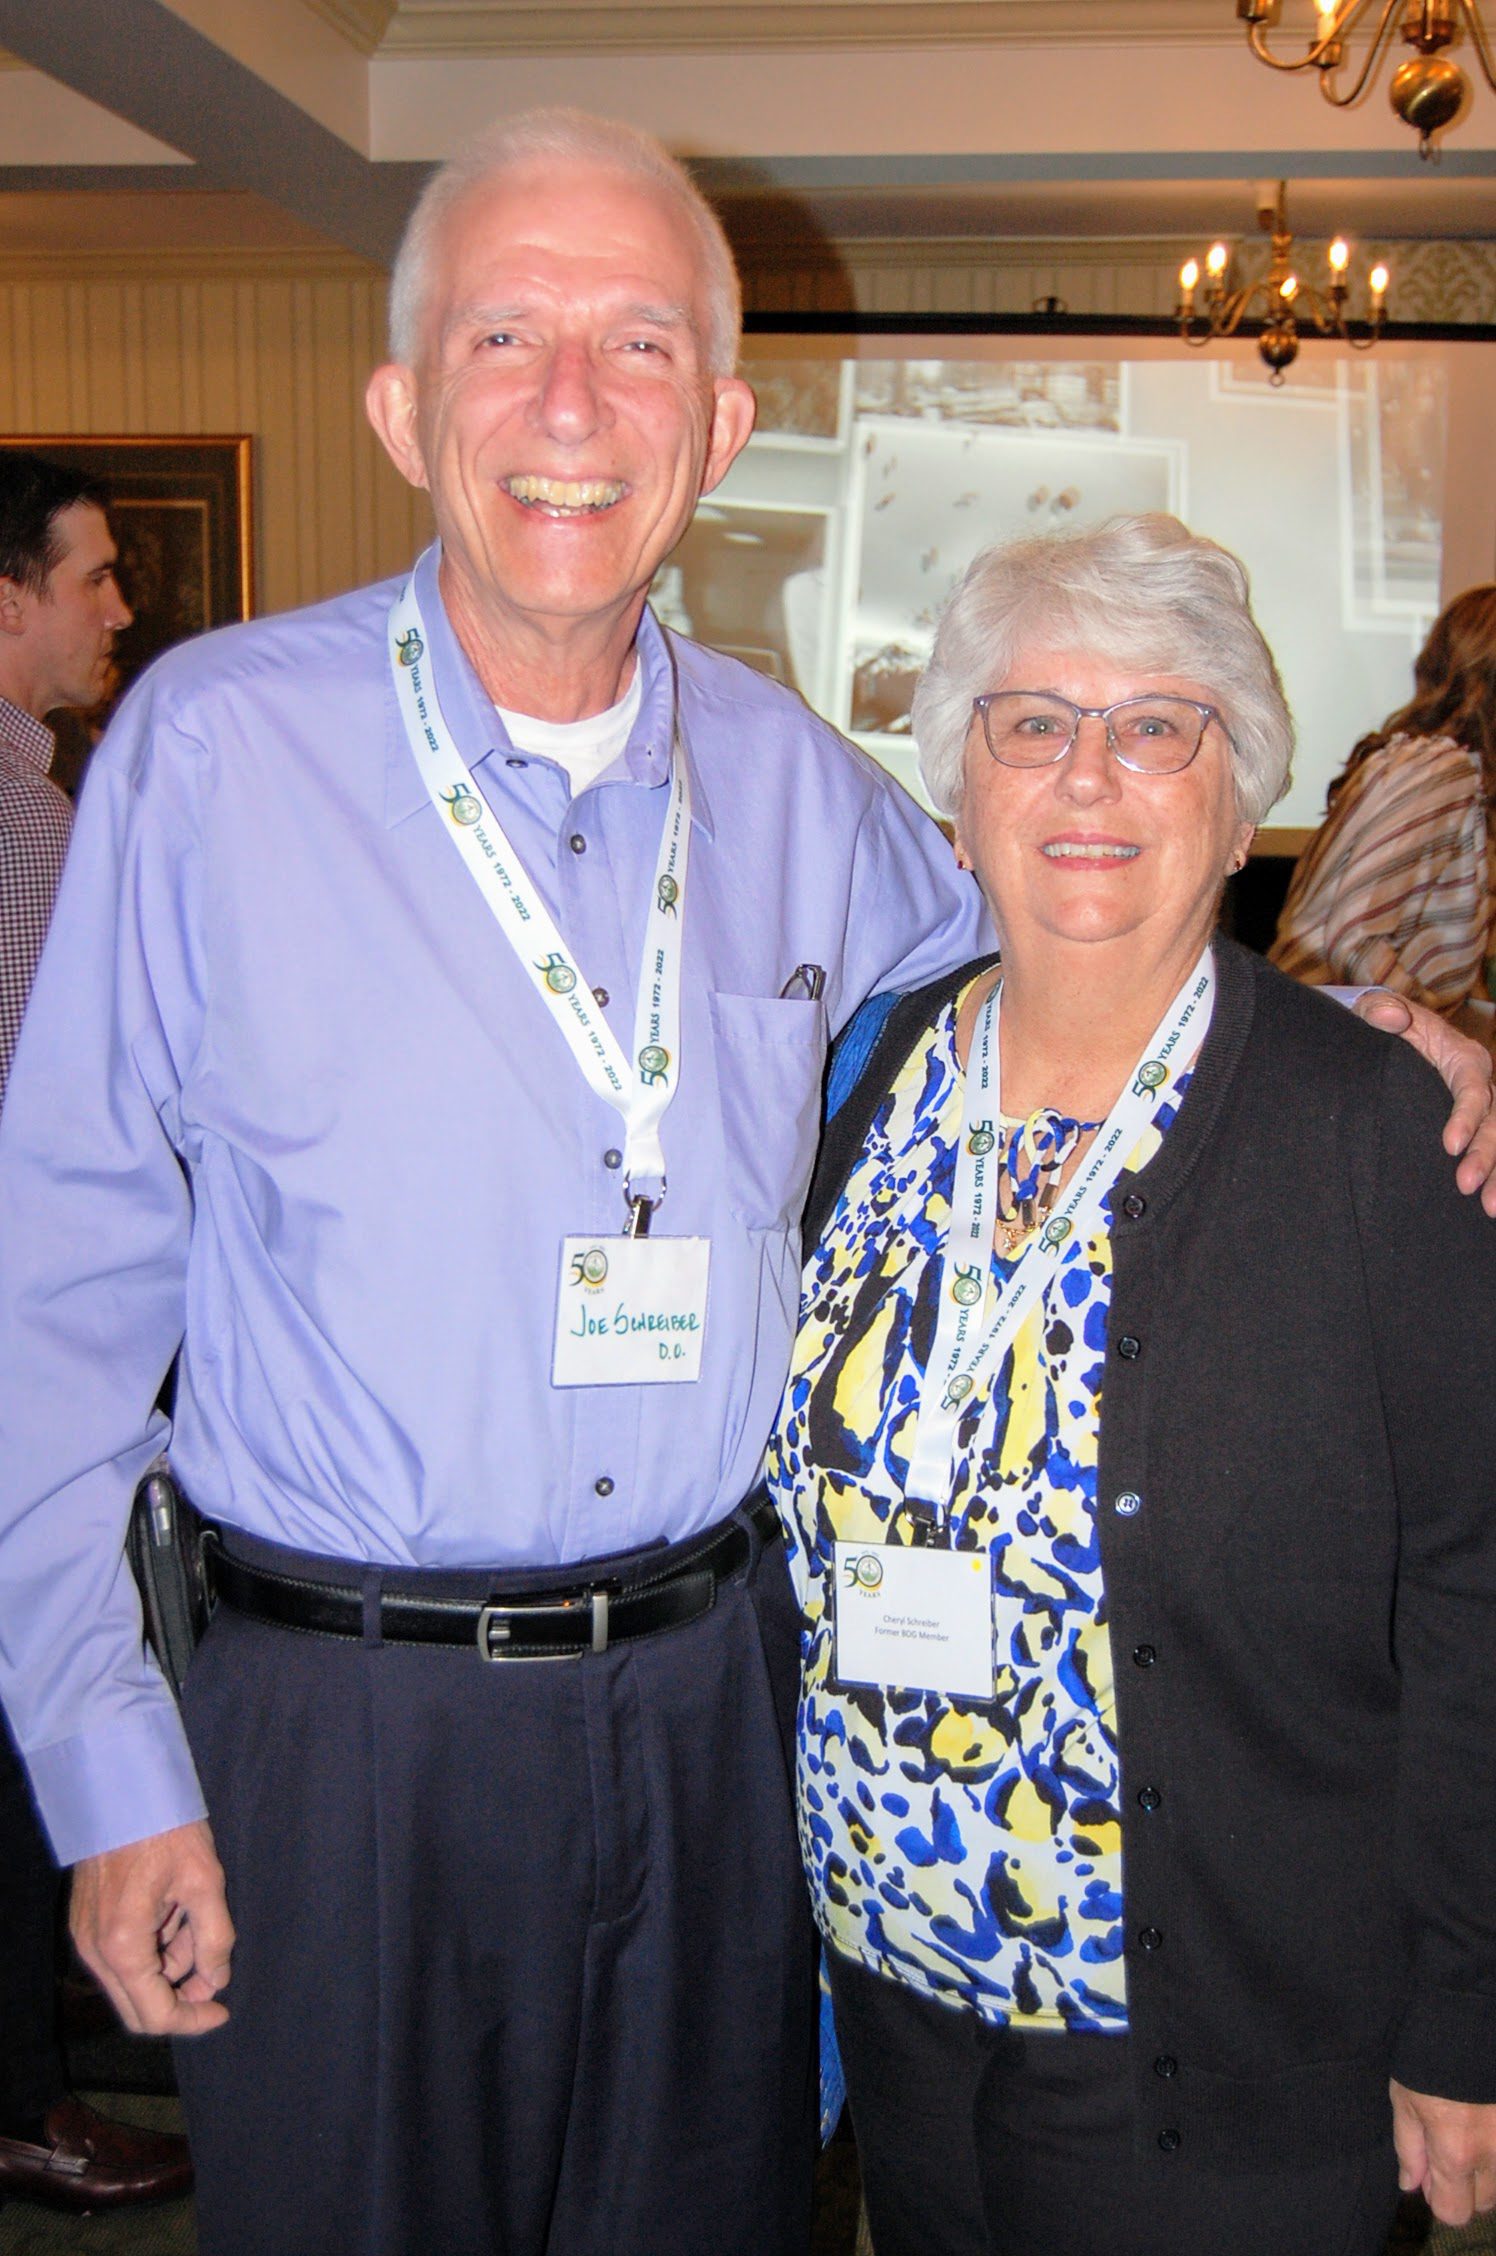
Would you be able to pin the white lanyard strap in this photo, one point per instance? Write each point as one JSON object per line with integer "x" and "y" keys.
{"x": 640, "y": 1091}
{"x": 971, "y": 1334}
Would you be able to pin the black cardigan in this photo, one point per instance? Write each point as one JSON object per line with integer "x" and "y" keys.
{"x": 1300, "y": 1350}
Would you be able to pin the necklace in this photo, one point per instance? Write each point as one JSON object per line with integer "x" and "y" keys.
{"x": 1028, "y": 1172}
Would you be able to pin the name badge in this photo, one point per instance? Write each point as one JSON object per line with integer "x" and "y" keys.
{"x": 630, "y": 1311}
{"x": 918, "y": 1619}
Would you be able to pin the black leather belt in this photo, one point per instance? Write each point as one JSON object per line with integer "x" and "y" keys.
{"x": 544, "y": 1625}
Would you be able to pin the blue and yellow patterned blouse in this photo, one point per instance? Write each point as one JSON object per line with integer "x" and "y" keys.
{"x": 969, "y": 1849}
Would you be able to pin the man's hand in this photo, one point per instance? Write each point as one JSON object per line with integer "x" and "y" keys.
{"x": 1446, "y": 2150}
{"x": 1465, "y": 1066}
{"x": 152, "y": 1922}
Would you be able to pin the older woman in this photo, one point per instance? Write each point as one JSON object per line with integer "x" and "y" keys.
{"x": 1138, "y": 1451}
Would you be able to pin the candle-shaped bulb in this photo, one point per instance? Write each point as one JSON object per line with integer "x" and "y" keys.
{"x": 1326, "y": 10}
{"x": 1189, "y": 275}
{"x": 1340, "y": 256}
{"x": 1288, "y": 287}
{"x": 1215, "y": 261}
{"x": 1379, "y": 280}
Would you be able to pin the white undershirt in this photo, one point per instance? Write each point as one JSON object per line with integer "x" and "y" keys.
{"x": 582, "y": 748}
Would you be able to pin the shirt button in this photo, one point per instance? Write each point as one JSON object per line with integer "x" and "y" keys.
{"x": 603, "y": 1486}
{"x": 1166, "y": 2065}
{"x": 1134, "y": 1207}
{"x": 600, "y": 997}
{"x": 1149, "y": 1798}
{"x": 1143, "y": 1656}
{"x": 1128, "y": 1503}
{"x": 1169, "y": 2141}
{"x": 577, "y": 842}
{"x": 1129, "y": 1348}
{"x": 513, "y": 760}
{"x": 612, "y": 1159}
{"x": 1150, "y": 1939}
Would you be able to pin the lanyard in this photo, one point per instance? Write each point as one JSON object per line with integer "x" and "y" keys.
{"x": 971, "y": 1334}
{"x": 639, "y": 1090}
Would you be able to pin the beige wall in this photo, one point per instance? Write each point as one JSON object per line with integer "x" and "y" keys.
{"x": 279, "y": 349}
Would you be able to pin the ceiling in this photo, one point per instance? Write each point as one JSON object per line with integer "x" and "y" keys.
{"x": 239, "y": 126}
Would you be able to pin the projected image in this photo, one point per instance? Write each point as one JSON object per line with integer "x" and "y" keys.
{"x": 824, "y": 557}
{"x": 927, "y": 497}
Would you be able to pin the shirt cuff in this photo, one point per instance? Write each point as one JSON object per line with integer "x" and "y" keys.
{"x": 121, "y": 1782}
{"x": 1350, "y": 996}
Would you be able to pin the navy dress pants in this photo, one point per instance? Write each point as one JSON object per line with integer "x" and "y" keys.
{"x": 979, "y": 2141}
{"x": 524, "y": 1961}
{"x": 31, "y": 2070}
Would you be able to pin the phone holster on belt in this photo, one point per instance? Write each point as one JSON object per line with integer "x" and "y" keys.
{"x": 165, "y": 1547}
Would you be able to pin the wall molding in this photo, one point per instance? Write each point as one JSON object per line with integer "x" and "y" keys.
{"x": 194, "y": 263}
{"x": 1434, "y": 282}
{"x": 1431, "y": 281}
{"x": 363, "y": 23}
{"x": 434, "y": 28}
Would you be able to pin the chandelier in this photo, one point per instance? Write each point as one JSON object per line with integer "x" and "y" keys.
{"x": 1427, "y": 90}
{"x": 1279, "y": 299}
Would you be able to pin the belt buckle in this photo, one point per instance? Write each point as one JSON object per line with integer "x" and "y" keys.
{"x": 496, "y": 1627}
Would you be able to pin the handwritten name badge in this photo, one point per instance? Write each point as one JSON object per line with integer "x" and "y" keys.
{"x": 630, "y": 1311}
{"x": 918, "y": 1619}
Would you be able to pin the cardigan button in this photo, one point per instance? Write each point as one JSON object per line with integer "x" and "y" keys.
{"x": 1129, "y": 1348}
{"x": 1169, "y": 2141}
{"x": 1134, "y": 1207}
{"x": 1128, "y": 1503}
{"x": 1166, "y": 2065}
{"x": 1150, "y": 1939}
{"x": 1149, "y": 1798}
{"x": 1144, "y": 1656}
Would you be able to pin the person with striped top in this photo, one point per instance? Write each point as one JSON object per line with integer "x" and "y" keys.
{"x": 1396, "y": 889}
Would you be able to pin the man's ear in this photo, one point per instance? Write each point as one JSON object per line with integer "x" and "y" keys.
{"x": 390, "y": 404}
{"x": 734, "y": 410}
{"x": 15, "y": 606}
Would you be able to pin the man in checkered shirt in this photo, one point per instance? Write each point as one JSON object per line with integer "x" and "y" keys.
{"x": 60, "y": 610}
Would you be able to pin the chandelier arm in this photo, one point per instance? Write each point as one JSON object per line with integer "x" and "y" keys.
{"x": 1379, "y": 39}
{"x": 1319, "y": 47}
{"x": 1257, "y": 41}
{"x": 1478, "y": 41}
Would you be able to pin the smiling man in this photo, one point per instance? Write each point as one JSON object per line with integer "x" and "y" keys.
{"x": 428, "y": 1053}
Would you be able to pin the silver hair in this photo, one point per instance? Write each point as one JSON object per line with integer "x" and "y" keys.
{"x": 568, "y": 137}
{"x": 1141, "y": 592}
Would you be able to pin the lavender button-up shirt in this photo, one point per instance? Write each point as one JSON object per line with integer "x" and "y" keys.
{"x": 286, "y": 1100}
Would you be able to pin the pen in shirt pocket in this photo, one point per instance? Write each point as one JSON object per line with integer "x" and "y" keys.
{"x": 806, "y": 984}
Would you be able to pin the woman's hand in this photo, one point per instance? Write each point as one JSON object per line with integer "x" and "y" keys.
{"x": 1465, "y": 1067}
{"x": 1446, "y": 2150}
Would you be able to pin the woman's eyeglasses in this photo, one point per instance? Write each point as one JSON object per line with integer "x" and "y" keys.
{"x": 1033, "y": 728}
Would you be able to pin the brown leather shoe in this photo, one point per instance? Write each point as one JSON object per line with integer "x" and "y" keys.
{"x": 90, "y": 2162}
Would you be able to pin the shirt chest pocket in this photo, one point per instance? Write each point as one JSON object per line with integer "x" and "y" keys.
{"x": 771, "y": 1058}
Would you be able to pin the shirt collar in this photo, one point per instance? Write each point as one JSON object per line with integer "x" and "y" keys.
{"x": 479, "y": 734}
{"x": 28, "y": 737}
